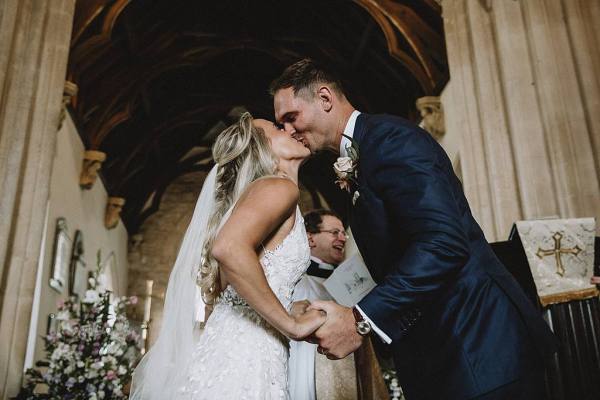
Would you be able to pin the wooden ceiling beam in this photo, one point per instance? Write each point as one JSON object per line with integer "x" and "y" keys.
{"x": 89, "y": 50}
{"x": 394, "y": 48}
{"x": 128, "y": 60}
{"x": 393, "y": 16}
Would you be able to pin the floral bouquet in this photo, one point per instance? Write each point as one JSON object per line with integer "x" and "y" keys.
{"x": 92, "y": 352}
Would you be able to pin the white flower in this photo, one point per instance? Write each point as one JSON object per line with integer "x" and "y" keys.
{"x": 91, "y": 374}
{"x": 62, "y": 315}
{"x": 68, "y": 327}
{"x": 97, "y": 365}
{"x": 343, "y": 166}
{"x": 91, "y": 296}
{"x": 108, "y": 359}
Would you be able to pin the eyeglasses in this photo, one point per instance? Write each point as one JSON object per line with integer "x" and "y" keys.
{"x": 335, "y": 232}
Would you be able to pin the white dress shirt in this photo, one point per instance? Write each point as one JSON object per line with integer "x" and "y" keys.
{"x": 349, "y": 131}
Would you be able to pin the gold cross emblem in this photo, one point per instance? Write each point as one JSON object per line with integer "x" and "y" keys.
{"x": 557, "y": 251}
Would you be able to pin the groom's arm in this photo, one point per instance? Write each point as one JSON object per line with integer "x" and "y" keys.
{"x": 418, "y": 197}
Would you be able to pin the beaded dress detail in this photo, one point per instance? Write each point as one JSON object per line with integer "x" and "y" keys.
{"x": 239, "y": 355}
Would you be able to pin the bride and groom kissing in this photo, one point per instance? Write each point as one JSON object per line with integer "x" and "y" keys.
{"x": 456, "y": 322}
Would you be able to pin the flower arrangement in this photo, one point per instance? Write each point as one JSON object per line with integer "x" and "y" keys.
{"x": 92, "y": 353}
{"x": 391, "y": 381}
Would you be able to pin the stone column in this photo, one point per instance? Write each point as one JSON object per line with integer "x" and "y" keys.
{"x": 523, "y": 95}
{"x": 34, "y": 46}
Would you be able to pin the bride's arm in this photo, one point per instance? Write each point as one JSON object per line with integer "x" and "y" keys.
{"x": 265, "y": 206}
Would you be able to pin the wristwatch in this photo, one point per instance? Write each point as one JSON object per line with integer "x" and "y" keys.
{"x": 363, "y": 327}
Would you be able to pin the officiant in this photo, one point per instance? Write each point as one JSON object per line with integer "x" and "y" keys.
{"x": 311, "y": 375}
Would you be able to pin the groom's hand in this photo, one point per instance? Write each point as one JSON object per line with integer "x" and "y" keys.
{"x": 337, "y": 337}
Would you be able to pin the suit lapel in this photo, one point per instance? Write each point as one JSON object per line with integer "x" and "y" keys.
{"x": 358, "y": 136}
{"x": 359, "y": 128}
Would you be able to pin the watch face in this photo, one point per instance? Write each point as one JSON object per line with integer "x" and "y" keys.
{"x": 363, "y": 328}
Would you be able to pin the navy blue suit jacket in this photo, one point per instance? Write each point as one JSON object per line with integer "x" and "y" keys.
{"x": 460, "y": 324}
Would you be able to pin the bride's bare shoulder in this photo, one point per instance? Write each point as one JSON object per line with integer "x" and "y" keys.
{"x": 273, "y": 188}
{"x": 267, "y": 201}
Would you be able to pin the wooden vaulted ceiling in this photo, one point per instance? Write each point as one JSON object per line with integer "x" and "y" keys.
{"x": 158, "y": 79}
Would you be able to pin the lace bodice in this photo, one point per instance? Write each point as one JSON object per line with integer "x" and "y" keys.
{"x": 283, "y": 266}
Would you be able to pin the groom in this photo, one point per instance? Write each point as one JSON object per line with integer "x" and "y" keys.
{"x": 458, "y": 324}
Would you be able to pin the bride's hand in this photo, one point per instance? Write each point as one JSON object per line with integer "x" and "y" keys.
{"x": 305, "y": 324}
{"x": 299, "y": 308}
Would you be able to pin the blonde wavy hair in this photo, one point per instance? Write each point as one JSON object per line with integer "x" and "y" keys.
{"x": 243, "y": 154}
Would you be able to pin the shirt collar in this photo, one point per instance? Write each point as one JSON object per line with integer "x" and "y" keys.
{"x": 348, "y": 131}
{"x": 322, "y": 264}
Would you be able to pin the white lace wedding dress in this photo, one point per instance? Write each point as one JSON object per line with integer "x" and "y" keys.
{"x": 239, "y": 355}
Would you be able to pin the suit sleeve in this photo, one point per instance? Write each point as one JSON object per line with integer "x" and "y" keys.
{"x": 408, "y": 173}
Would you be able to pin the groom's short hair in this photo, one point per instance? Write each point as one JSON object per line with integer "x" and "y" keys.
{"x": 314, "y": 218}
{"x": 303, "y": 76}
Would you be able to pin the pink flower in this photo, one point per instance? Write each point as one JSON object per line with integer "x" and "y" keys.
{"x": 133, "y": 299}
{"x": 110, "y": 375}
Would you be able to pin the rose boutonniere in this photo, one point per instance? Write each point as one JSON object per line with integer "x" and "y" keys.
{"x": 346, "y": 167}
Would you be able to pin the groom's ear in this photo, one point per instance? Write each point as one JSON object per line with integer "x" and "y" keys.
{"x": 325, "y": 98}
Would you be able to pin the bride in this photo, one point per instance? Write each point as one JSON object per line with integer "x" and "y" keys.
{"x": 245, "y": 248}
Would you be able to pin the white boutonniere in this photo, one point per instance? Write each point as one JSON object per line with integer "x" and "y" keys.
{"x": 346, "y": 167}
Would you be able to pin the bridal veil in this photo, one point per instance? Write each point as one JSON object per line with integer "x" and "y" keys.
{"x": 161, "y": 371}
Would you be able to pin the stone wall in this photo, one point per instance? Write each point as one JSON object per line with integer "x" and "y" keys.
{"x": 524, "y": 97}
{"x": 83, "y": 210}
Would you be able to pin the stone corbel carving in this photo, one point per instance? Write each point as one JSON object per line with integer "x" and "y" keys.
{"x": 92, "y": 162}
{"x": 432, "y": 113}
{"x": 69, "y": 91}
{"x": 114, "y": 206}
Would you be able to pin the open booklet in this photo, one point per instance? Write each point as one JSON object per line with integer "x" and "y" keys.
{"x": 350, "y": 281}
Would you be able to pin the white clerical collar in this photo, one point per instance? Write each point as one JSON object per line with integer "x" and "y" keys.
{"x": 322, "y": 264}
{"x": 348, "y": 131}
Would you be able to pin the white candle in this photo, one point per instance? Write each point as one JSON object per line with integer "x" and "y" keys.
{"x": 148, "y": 300}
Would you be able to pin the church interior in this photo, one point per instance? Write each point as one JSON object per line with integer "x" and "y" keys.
{"x": 109, "y": 109}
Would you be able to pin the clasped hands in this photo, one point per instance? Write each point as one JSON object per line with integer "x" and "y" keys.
{"x": 336, "y": 332}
